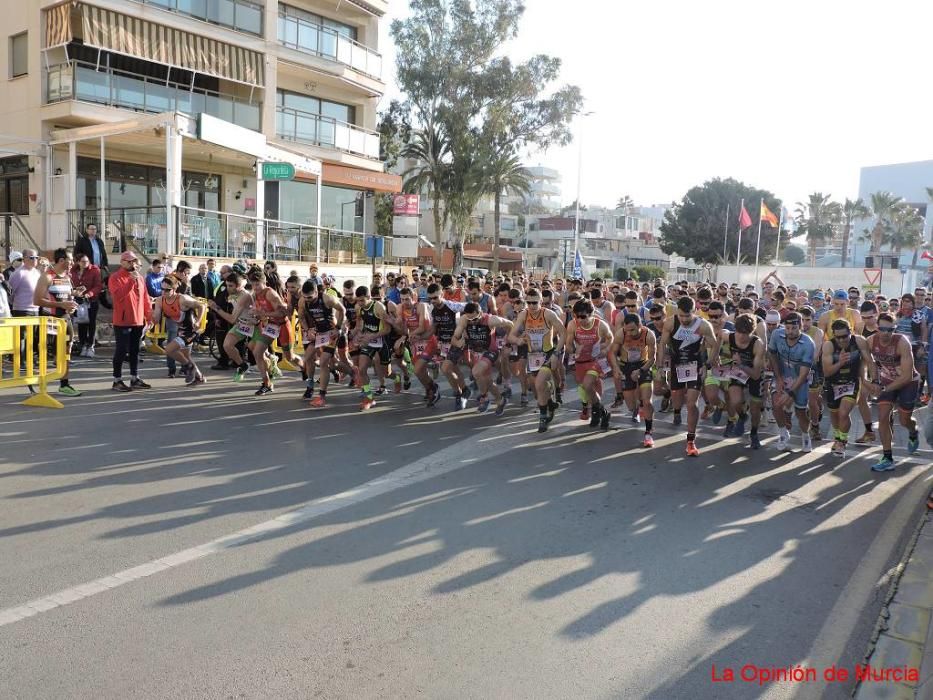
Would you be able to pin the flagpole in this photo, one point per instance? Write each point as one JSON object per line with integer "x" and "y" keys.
{"x": 725, "y": 237}
{"x": 738, "y": 251}
{"x": 758, "y": 245}
{"x": 777, "y": 251}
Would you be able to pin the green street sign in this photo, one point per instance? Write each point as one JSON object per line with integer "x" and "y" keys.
{"x": 278, "y": 171}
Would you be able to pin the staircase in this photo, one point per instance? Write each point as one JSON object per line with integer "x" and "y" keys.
{"x": 14, "y": 236}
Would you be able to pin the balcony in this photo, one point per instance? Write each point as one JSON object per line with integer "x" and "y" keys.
{"x": 85, "y": 82}
{"x": 325, "y": 42}
{"x": 317, "y": 130}
{"x": 545, "y": 188}
{"x": 239, "y": 15}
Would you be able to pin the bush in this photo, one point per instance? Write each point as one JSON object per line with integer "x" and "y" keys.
{"x": 620, "y": 275}
{"x": 646, "y": 273}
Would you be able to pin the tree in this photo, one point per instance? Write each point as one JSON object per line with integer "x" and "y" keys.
{"x": 504, "y": 173}
{"x": 466, "y": 186}
{"x": 906, "y": 230}
{"x": 694, "y": 227}
{"x": 645, "y": 273}
{"x": 817, "y": 218}
{"x": 794, "y": 254}
{"x": 620, "y": 274}
{"x": 625, "y": 203}
{"x": 851, "y": 211}
{"x": 430, "y": 150}
{"x": 883, "y": 206}
{"x": 394, "y": 133}
{"x": 571, "y": 209}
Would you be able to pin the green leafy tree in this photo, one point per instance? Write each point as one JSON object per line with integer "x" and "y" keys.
{"x": 794, "y": 254}
{"x": 504, "y": 174}
{"x": 466, "y": 186}
{"x": 394, "y": 133}
{"x": 883, "y": 208}
{"x": 694, "y": 227}
{"x": 430, "y": 149}
{"x": 645, "y": 273}
{"x": 817, "y": 218}
{"x": 620, "y": 275}
{"x": 905, "y": 231}
{"x": 852, "y": 210}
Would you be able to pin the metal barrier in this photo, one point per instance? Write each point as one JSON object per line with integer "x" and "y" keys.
{"x": 11, "y": 342}
{"x": 296, "y": 334}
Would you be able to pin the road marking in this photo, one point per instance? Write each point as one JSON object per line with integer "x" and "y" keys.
{"x": 436, "y": 464}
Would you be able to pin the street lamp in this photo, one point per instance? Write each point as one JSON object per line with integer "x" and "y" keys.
{"x": 576, "y": 218}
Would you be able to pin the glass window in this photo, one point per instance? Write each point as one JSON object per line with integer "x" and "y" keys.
{"x": 221, "y": 12}
{"x": 249, "y": 18}
{"x": 341, "y": 28}
{"x": 334, "y": 110}
{"x": 19, "y": 55}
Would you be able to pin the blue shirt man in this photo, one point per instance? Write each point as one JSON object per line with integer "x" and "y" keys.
{"x": 793, "y": 351}
{"x": 154, "y": 279}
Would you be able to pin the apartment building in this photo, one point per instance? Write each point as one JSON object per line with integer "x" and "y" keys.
{"x": 226, "y": 127}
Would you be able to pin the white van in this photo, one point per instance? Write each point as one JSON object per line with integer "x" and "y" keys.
{"x": 475, "y": 271}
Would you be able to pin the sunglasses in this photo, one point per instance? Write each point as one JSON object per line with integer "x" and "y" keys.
{"x": 584, "y": 316}
{"x": 885, "y": 329}
{"x": 842, "y": 336}
{"x": 533, "y": 302}
{"x": 631, "y": 306}
{"x": 430, "y": 298}
{"x": 790, "y": 324}
{"x": 655, "y": 318}
{"x": 167, "y": 289}
{"x": 715, "y": 317}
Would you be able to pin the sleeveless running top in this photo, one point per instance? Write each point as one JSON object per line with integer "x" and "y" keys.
{"x": 410, "y": 318}
{"x": 586, "y": 341}
{"x": 743, "y": 356}
{"x": 445, "y": 322}
{"x": 479, "y": 337}
{"x": 888, "y": 359}
{"x": 371, "y": 322}
{"x": 60, "y": 289}
{"x": 686, "y": 342}
{"x": 320, "y": 315}
{"x": 539, "y": 332}
{"x": 849, "y": 372}
{"x": 634, "y": 351}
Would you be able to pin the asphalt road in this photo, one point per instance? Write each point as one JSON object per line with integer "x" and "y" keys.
{"x": 185, "y": 543}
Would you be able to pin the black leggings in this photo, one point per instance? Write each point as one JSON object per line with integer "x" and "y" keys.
{"x": 128, "y": 338}
{"x": 87, "y": 331}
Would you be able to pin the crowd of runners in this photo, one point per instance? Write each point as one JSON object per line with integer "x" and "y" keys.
{"x": 723, "y": 354}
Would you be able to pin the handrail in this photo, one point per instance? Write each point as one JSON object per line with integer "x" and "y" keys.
{"x": 269, "y": 222}
{"x": 12, "y": 219}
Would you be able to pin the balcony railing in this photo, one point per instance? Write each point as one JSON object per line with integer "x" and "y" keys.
{"x": 84, "y": 82}
{"x": 308, "y": 37}
{"x": 143, "y": 229}
{"x": 236, "y": 14}
{"x": 305, "y": 127}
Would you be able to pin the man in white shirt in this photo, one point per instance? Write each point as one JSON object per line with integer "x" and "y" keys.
{"x": 23, "y": 285}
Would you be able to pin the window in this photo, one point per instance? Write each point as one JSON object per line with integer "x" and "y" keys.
{"x": 14, "y": 185}
{"x": 19, "y": 55}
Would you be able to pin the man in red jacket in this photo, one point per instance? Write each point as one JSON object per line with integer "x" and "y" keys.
{"x": 132, "y": 310}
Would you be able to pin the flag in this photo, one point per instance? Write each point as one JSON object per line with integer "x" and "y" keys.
{"x": 926, "y": 255}
{"x": 578, "y": 266}
{"x": 744, "y": 219}
{"x": 767, "y": 216}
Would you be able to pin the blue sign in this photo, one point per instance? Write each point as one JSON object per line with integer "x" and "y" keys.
{"x": 578, "y": 265}
{"x": 375, "y": 246}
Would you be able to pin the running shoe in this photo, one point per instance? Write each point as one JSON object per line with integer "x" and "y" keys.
{"x": 380, "y": 391}
{"x": 542, "y": 424}
{"x": 367, "y": 403}
{"x": 500, "y": 405}
{"x": 604, "y": 420}
{"x": 467, "y": 392}
{"x": 264, "y": 389}
{"x": 524, "y": 401}
{"x": 707, "y": 412}
{"x": 806, "y": 442}
{"x": 434, "y": 396}
{"x": 815, "y": 433}
{"x": 867, "y": 438}
{"x": 309, "y": 394}
{"x": 120, "y": 385}
{"x": 838, "y": 449}
{"x": 482, "y": 403}
{"x": 188, "y": 371}
{"x": 171, "y": 375}
{"x": 336, "y": 376}
{"x": 240, "y": 372}
{"x": 692, "y": 450}
{"x": 665, "y": 405}
{"x": 558, "y": 396}
{"x": 397, "y": 380}
{"x": 407, "y": 383}
{"x": 648, "y": 441}
{"x": 139, "y": 384}
{"x": 717, "y": 415}
{"x": 198, "y": 378}
{"x": 783, "y": 439}
{"x": 754, "y": 441}
{"x": 913, "y": 443}
{"x": 585, "y": 412}
{"x": 459, "y": 402}
{"x": 318, "y": 402}
{"x": 730, "y": 430}
{"x": 595, "y": 415}
{"x": 885, "y": 464}
{"x": 618, "y": 401}
{"x": 551, "y": 410}
{"x": 739, "y": 427}
{"x": 68, "y": 390}
{"x": 678, "y": 418}
{"x": 507, "y": 392}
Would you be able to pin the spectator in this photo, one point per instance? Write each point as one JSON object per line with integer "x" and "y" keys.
{"x": 393, "y": 293}
{"x": 168, "y": 263}
{"x": 154, "y": 278}
{"x": 5, "y": 295}
{"x": 132, "y": 309}
{"x": 314, "y": 275}
{"x": 201, "y": 284}
{"x": 87, "y": 275}
{"x": 212, "y": 274}
{"x": 23, "y": 285}
{"x": 92, "y": 246}
{"x": 16, "y": 262}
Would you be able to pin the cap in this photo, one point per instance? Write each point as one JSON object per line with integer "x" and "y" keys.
{"x": 15, "y": 256}
{"x": 128, "y": 255}
{"x": 239, "y": 267}
{"x": 772, "y": 317}
{"x": 819, "y": 295}
{"x": 841, "y": 294}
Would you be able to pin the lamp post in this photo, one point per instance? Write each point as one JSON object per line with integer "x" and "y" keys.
{"x": 576, "y": 218}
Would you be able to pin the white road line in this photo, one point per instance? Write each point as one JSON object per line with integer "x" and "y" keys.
{"x": 436, "y": 464}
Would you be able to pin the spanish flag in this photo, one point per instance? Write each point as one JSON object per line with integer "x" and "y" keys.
{"x": 767, "y": 216}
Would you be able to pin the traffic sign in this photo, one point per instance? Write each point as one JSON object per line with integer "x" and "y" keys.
{"x": 873, "y": 275}
{"x": 278, "y": 171}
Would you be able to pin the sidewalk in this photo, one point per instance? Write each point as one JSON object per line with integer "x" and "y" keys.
{"x": 905, "y": 632}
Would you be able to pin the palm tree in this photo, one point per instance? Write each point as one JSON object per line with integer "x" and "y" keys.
{"x": 906, "y": 230}
{"x": 817, "y": 218}
{"x": 430, "y": 148}
{"x": 504, "y": 173}
{"x": 883, "y": 206}
{"x": 851, "y": 211}
{"x": 465, "y": 186}
{"x": 625, "y": 203}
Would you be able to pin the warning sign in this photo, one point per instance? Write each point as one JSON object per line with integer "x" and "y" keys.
{"x": 873, "y": 275}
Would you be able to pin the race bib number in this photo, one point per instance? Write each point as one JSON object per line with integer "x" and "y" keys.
{"x": 634, "y": 356}
{"x": 603, "y": 365}
{"x": 51, "y": 326}
{"x": 419, "y": 347}
{"x": 500, "y": 342}
{"x": 687, "y": 373}
{"x": 886, "y": 375}
{"x": 244, "y": 328}
{"x": 377, "y": 343}
{"x": 307, "y": 335}
{"x": 324, "y": 339}
{"x": 535, "y": 361}
{"x": 840, "y": 390}
{"x": 721, "y": 372}
{"x": 738, "y": 375}
{"x": 271, "y": 330}
{"x": 445, "y": 350}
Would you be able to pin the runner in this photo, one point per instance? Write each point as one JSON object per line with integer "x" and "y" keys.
{"x": 815, "y": 380}
{"x": 791, "y": 355}
{"x": 900, "y": 384}
{"x": 321, "y": 317}
{"x": 747, "y": 362}
{"x": 846, "y": 363}
{"x": 534, "y": 329}
{"x": 840, "y": 309}
{"x": 869, "y": 312}
{"x": 474, "y": 342}
{"x": 588, "y": 340}
{"x": 685, "y": 336}
{"x": 415, "y": 331}
{"x": 348, "y": 349}
{"x": 372, "y": 325}
{"x": 187, "y": 313}
{"x": 518, "y": 354}
{"x": 54, "y": 291}
{"x": 632, "y": 356}
{"x": 717, "y": 381}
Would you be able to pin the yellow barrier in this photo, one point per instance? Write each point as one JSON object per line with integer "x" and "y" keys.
{"x": 154, "y": 335}
{"x": 12, "y": 337}
{"x": 296, "y": 329}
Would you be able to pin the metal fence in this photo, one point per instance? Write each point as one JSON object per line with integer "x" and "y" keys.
{"x": 14, "y": 236}
{"x": 144, "y": 229}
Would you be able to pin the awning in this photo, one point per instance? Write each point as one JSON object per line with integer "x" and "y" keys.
{"x": 131, "y": 36}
